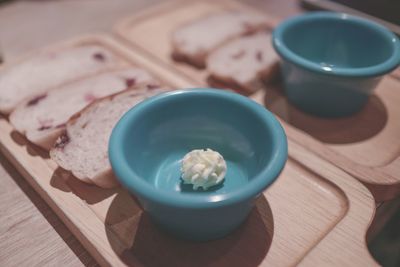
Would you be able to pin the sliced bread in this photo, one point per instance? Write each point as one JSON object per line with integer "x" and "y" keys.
{"x": 83, "y": 146}
{"x": 193, "y": 42}
{"x": 43, "y": 117}
{"x": 244, "y": 63}
{"x": 49, "y": 69}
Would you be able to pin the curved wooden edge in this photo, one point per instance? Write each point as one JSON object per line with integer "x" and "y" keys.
{"x": 346, "y": 244}
{"x": 393, "y": 167}
{"x": 390, "y": 190}
{"x": 388, "y": 176}
{"x": 121, "y": 28}
{"x": 396, "y": 73}
{"x": 272, "y": 20}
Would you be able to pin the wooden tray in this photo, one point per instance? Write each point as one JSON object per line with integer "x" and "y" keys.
{"x": 365, "y": 145}
{"x": 314, "y": 214}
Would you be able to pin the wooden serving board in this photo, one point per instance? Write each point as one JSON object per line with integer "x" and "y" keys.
{"x": 314, "y": 214}
{"x": 365, "y": 145}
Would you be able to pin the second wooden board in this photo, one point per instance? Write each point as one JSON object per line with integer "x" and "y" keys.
{"x": 365, "y": 145}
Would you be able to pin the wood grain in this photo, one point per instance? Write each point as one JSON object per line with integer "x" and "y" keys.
{"x": 30, "y": 232}
{"x": 364, "y": 145}
{"x": 311, "y": 201}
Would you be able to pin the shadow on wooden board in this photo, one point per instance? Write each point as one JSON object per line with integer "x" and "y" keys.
{"x": 147, "y": 245}
{"x": 363, "y": 125}
{"x": 91, "y": 194}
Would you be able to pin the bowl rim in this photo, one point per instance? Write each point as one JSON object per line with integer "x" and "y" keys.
{"x": 375, "y": 70}
{"x": 131, "y": 180}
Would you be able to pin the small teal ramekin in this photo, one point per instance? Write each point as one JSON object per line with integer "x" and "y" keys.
{"x": 331, "y": 62}
{"x": 149, "y": 141}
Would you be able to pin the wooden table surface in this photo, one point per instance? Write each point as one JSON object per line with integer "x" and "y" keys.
{"x": 30, "y": 232}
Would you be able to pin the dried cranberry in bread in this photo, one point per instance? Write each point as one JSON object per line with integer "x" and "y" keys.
{"x": 83, "y": 147}
{"x": 42, "y": 118}
{"x": 193, "y": 42}
{"x": 49, "y": 69}
{"x": 245, "y": 62}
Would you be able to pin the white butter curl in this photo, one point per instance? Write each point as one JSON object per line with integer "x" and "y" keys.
{"x": 203, "y": 168}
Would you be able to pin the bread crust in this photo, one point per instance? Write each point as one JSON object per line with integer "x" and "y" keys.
{"x": 104, "y": 178}
{"x": 199, "y": 58}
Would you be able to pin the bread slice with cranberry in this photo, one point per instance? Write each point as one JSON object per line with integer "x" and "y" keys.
{"x": 83, "y": 146}
{"x": 42, "y": 118}
{"x": 194, "y": 41}
{"x": 244, "y": 63}
{"x": 49, "y": 69}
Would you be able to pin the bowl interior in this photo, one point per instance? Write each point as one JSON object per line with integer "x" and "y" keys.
{"x": 158, "y": 138}
{"x": 335, "y": 41}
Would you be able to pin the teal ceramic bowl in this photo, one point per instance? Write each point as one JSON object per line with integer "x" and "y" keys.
{"x": 331, "y": 62}
{"x": 149, "y": 141}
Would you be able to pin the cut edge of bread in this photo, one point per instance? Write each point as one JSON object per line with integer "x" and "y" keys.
{"x": 46, "y": 142}
{"x": 256, "y": 84}
{"x": 105, "y": 179}
{"x": 199, "y": 60}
